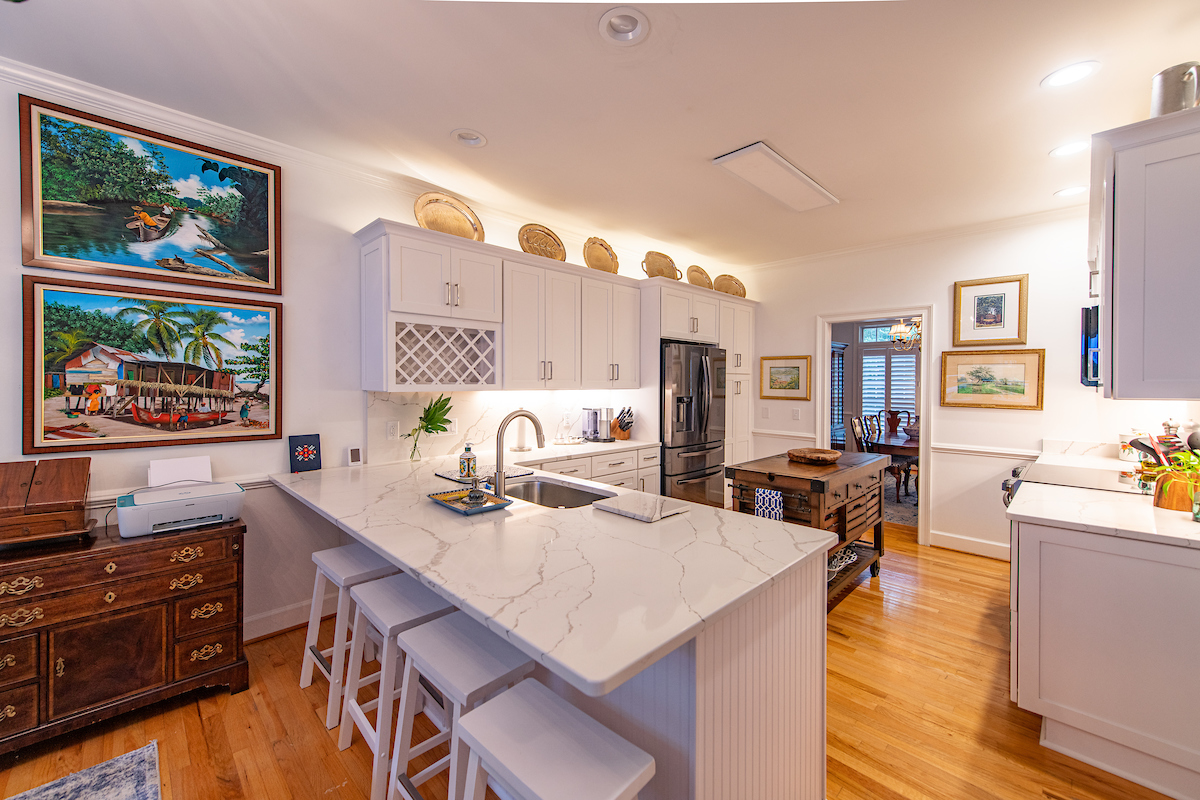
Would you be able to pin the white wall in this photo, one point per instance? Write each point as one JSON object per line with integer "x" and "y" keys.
{"x": 973, "y": 449}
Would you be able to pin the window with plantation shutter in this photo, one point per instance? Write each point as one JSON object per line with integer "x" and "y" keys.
{"x": 890, "y": 380}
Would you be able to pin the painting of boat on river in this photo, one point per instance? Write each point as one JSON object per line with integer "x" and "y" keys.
{"x": 114, "y": 366}
{"x": 101, "y": 196}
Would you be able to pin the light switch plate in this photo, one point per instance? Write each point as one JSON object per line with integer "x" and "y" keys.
{"x": 766, "y": 412}
{"x": 393, "y": 430}
{"x": 795, "y": 413}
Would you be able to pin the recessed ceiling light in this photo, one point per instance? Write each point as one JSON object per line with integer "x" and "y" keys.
{"x": 468, "y": 138}
{"x": 1075, "y": 72}
{"x": 1070, "y": 190}
{"x": 624, "y": 26}
{"x": 1070, "y": 149}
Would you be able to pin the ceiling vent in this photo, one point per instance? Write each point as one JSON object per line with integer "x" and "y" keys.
{"x": 772, "y": 173}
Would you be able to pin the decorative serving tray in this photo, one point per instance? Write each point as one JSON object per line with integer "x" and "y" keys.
{"x": 598, "y": 255}
{"x": 541, "y": 241}
{"x": 453, "y": 500}
{"x": 438, "y": 211}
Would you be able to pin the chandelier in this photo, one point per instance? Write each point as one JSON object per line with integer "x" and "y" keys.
{"x": 907, "y": 336}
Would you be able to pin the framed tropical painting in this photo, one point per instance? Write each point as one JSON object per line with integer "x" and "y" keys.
{"x": 104, "y": 197}
{"x": 116, "y": 366}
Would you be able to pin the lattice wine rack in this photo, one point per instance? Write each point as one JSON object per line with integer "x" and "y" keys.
{"x": 428, "y": 354}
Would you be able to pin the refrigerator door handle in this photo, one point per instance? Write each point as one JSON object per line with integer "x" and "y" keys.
{"x": 705, "y": 393}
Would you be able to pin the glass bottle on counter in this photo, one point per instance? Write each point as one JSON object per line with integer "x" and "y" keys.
{"x": 466, "y": 463}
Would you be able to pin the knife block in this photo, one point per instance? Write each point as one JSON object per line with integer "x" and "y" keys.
{"x": 616, "y": 432}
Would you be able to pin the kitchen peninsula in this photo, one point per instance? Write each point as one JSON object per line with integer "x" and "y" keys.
{"x": 700, "y": 638}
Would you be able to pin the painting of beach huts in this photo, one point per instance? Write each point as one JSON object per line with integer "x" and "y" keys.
{"x": 103, "y": 197}
{"x": 111, "y": 366}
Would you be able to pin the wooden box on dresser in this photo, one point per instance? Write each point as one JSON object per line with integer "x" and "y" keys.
{"x": 88, "y": 632}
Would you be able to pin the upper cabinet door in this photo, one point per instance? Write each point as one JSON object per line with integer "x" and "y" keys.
{"x": 420, "y": 277}
{"x": 476, "y": 286}
{"x": 525, "y": 331}
{"x": 677, "y": 322}
{"x": 563, "y": 325}
{"x": 626, "y": 337}
{"x": 707, "y": 313}
{"x": 597, "y": 364}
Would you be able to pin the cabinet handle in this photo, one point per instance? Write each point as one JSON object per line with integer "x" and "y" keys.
{"x": 617, "y": 464}
{"x": 649, "y": 458}
{"x": 187, "y": 581}
{"x": 447, "y": 293}
{"x": 207, "y": 610}
{"x": 110, "y": 567}
{"x": 20, "y": 618}
{"x": 9, "y": 660}
{"x": 187, "y": 554}
{"x": 737, "y": 387}
{"x": 622, "y": 483}
{"x": 568, "y": 472}
{"x": 207, "y": 652}
{"x": 60, "y": 667}
{"x": 21, "y": 585}
{"x": 618, "y": 368}
{"x": 7, "y": 712}
{"x": 457, "y": 294}
{"x": 542, "y": 371}
{"x": 549, "y": 370}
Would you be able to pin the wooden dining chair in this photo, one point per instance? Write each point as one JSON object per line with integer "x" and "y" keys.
{"x": 859, "y": 433}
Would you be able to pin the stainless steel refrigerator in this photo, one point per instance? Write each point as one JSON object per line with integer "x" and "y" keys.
{"x": 693, "y": 422}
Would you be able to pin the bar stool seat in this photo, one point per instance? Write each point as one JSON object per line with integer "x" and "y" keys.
{"x": 544, "y": 748}
{"x": 345, "y": 567}
{"x": 389, "y": 606}
{"x": 467, "y": 663}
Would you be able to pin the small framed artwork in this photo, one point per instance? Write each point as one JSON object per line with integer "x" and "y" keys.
{"x": 110, "y": 367}
{"x": 304, "y": 452}
{"x": 991, "y": 311}
{"x": 785, "y": 377}
{"x": 108, "y": 198}
{"x": 993, "y": 378}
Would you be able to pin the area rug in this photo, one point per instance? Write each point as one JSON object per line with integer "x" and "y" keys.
{"x": 902, "y": 513}
{"x": 133, "y": 776}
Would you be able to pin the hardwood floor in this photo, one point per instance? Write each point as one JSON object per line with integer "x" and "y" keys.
{"x": 917, "y": 691}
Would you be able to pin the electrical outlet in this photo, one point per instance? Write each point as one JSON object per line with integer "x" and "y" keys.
{"x": 766, "y": 412}
{"x": 451, "y": 428}
{"x": 795, "y": 413}
{"x": 393, "y": 430}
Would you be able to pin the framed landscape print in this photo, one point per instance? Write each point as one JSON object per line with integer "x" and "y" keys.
{"x": 103, "y": 197}
{"x": 785, "y": 377}
{"x": 991, "y": 311}
{"x": 115, "y": 366}
{"x": 993, "y": 378}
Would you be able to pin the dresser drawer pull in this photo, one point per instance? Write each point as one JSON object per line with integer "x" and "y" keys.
{"x": 187, "y": 581}
{"x": 568, "y": 472}
{"x": 110, "y": 567}
{"x": 7, "y": 712}
{"x": 649, "y": 458}
{"x": 9, "y": 660}
{"x": 60, "y": 667}
{"x": 617, "y": 463}
{"x": 207, "y": 652}
{"x": 20, "y": 617}
{"x": 187, "y": 554}
{"x": 21, "y": 585}
{"x": 207, "y": 610}
{"x": 109, "y": 597}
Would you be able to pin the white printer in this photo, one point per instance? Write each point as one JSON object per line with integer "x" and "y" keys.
{"x": 177, "y": 507}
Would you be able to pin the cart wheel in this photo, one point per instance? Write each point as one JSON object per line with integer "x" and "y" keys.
{"x": 875, "y": 570}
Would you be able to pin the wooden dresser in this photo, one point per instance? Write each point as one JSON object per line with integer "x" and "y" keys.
{"x": 845, "y": 498}
{"x": 94, "y": 630}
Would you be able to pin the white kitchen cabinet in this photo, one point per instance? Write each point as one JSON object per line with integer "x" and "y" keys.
{"x": 574, "y": 467}
{"x": 439, "y": 280}
{"x": 610, "y": 335}
{"x": 737, "y": 419}
{"x": 737, "y": 337}
{"x": 542, "y": 336}
{"x": 691, "y": 315}
{"x": 650, "y": 480}
{"x": 1146, "y": 192}
{"x": 476, "y": 281}
{"x": 626, "y": 480}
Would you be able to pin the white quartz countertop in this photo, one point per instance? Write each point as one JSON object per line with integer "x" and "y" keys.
{"x": 595, "y": 597}
{"x": 1129, "y": 516}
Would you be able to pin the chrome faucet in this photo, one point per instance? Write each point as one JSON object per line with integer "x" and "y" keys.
{"x": 498, "y": 480}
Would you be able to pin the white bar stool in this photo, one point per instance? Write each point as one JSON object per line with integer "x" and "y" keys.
{"x": 466, "y": 663}
{"x": 390, "y": 606}
{"x": 544, "y": 748}
{"x": 345, "y": 567}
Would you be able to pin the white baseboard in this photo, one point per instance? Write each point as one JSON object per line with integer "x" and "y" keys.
{"x": 969, "y": 544}
{"x": 280, "y": 619}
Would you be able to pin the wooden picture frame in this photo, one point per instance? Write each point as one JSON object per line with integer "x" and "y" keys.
{"x": 785, "y": 377}
{"x": 993, "y": 379}
{"x": 983, "y": 311}
{"x": 163, "y": 208}
{"x": 109, "y": 367}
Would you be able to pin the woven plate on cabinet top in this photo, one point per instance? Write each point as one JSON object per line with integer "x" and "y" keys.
{"x": 698, "y": 277}
{"x": 541, "y": 241}
{"x": 437, "y": 211}
{"x": 598, "y": 255}
{"x": 814, "y": 455}
{"x": 729, "y": 285}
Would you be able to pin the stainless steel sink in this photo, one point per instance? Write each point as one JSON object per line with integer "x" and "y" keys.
{"x": 553, "y": 494}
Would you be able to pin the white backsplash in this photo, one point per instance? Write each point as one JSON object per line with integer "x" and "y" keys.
{"x": 479, "y": 414}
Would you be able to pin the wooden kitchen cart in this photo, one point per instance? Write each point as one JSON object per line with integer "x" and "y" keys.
{"x": 845, "y": 498}
{"x": 94, "y": 630}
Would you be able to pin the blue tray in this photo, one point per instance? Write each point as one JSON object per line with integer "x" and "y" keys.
{"x": 451, "y": 501}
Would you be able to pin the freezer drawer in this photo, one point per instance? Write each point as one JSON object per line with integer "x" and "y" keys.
{"x": 707, "y": 487}
{"x": 694, "y": 458}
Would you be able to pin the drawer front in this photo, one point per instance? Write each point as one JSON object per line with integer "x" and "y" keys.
{"x": 39, "y": 612}
{"x": 205, "y": 612}
{"x": 865, "y": 483}
{"x": 650, "y": 457}
{"x": 18, "y": 659}
{"x": 203, "y": 653}
{"x": 610, "y": 465}
{"x": 18, "y": 710}
{"x": 575, "y": 467}
{"x": 111, "y": 564}
{"x": 626, "y": 480}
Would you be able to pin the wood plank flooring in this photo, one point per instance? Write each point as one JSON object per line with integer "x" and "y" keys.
{"x": 917, "y": 692}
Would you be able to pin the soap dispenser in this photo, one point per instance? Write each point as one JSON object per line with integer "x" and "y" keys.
{"x": 466, "y": 463}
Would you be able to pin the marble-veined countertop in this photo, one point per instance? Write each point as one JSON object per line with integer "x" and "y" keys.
{"x": 1129, "y": 516}
{"x": 595, "y": 597}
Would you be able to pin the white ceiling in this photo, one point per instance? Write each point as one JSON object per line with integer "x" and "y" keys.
{"x": 920, "y": 115}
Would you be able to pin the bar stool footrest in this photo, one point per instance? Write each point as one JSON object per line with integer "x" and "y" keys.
{"x": 433, "y": 769}
{"x": 429, "y": 744}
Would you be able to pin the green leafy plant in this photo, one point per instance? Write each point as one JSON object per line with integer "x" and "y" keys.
{"x": 432, "y": 420}
{"x": 1183, "y": 466}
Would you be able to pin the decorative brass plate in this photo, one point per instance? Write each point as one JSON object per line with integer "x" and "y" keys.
{"x": 442, "y": 212}
{"x": 729, "y": 285}
{"x": 698, "y": 277}
{"x": 598, "y": 255}
{"x": 541, "y": 241}
{"x": 660, "y": 265}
